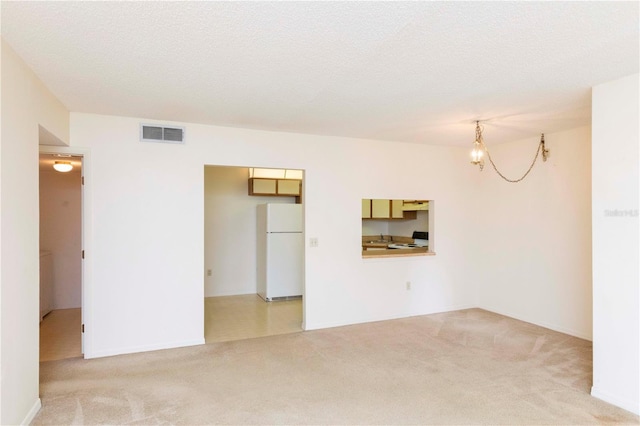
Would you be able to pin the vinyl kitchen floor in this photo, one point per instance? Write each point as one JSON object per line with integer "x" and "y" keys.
{"x": 246, "y": 316}
{"x": 60, "y": 335}
{"x": 226, "y": 318}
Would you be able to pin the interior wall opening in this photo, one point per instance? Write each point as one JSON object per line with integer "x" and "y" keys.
{"x": 60, "y": 195}
{"x": 237, "y": 303}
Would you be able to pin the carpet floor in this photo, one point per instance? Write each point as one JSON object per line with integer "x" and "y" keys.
{"x": 462, "y": 367}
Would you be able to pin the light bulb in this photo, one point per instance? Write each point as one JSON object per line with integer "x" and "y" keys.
{"x": 62, "y": 166}
{"x": 476, "y": 153}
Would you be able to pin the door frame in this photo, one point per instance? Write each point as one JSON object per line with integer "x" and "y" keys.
{"x": 305, "y": 299}
{"x": 87, "y": 240}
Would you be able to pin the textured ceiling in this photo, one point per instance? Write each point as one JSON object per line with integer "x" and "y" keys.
{"x": 416, "y": 71}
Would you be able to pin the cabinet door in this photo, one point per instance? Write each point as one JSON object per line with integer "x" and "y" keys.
{"x": 396, "y": 209}
{"x": 415, "y": 205}
{"x": 288, "y": 187}
{"x": 366, "y": 208}
{"x": 262, "y": 186}
{"x": 380, "y": 209}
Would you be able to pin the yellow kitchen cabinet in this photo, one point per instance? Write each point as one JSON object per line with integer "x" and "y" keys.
{"x": 415, "y": 205}
{"x": 396, "y": 209}
{"x": 277, "y": 187}
{"x": 380, "y": 209}
{"x": 289, "y": 187}
{"x": 259, "y": 186}
{"x": 385, "y": 209}
{"x": 366, "y": 208}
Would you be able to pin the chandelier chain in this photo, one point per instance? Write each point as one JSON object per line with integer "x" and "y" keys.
{"x": 479, "y": 146}
{"x": 540, "y": 147}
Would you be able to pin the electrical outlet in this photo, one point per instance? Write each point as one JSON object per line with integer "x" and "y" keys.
{"x": 313, "y": 242}
{"x": 408, "y": 285}
{"x": 208, "y": 272}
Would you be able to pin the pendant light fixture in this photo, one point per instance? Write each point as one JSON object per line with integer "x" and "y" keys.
{"x": 477, "y": 157}
{"x": 479, "y": 148}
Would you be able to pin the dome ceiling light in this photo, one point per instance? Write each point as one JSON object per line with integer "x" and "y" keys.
{"x": 63, "y": 166}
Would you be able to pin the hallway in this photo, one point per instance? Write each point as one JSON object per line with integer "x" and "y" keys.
{"x": 60, "y": 336}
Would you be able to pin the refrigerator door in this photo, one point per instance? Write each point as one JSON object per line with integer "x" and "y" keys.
{"x": 284, "y": 266}
{"x": 284, "y": 217}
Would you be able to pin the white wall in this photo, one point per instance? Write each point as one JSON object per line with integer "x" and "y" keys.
{"x": 149, "y": 227}
{"x": 230, "y": 231}
{"x": 60, "y": 233}
{"x": 405, "y": 228}
{"x": 616, "y": 322}
{"x": 375, "y": 227}
{"x": 26, "y": 103}
{"x": 533, "y": 238}
{"x": 148, "y": 238}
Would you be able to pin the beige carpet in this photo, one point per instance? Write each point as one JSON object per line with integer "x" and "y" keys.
{"x": 465, "y": 367}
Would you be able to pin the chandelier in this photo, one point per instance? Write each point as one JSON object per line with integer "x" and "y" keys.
{"x": 479, "y": 149}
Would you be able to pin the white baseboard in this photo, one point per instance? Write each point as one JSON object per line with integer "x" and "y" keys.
{"x": 332, "y": 324}
{"x": 626, "y": 404}
{"x": 544, "y": 324}
{"x": 145, "y": 348}
{"x": 32, "y": 412}
{"x": 319, "y": 326}
{"x": 447, "y": 309}
{"x": 233, "y": 293}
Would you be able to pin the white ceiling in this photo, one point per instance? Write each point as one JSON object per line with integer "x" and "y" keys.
{"x": 405, "y": 71}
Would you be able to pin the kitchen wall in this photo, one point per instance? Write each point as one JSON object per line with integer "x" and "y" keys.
{"x": 616, "y": 300}
{"x": 26, "y": 104}
{"x": 405, "y": 228}
{"x": 533, "y": 238}
{"x": 230, "y": 231}
{"x": 396, "y": 227}
{"x": 375, "y": 227}
{"x": 61, "y": 233}
{"x": 148, "y": 233}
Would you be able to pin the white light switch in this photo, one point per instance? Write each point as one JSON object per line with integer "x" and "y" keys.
{"x": 313, "y": 242}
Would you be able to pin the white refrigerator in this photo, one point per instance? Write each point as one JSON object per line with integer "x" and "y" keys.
{"x": 280, "y": 248}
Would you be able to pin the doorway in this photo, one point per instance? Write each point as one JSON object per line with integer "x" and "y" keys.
{"x": 60, "y": 193}
{"x": 232, "y": 308}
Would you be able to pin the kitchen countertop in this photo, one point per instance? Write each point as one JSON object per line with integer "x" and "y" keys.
{"x": 374, "y": 246}
{"x": 418, "y": 251}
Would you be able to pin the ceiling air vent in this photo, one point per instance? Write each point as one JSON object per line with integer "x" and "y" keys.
{"x": 166, "y": 134}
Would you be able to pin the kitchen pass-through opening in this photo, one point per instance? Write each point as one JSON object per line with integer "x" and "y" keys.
{"x": 392, "y": 228}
